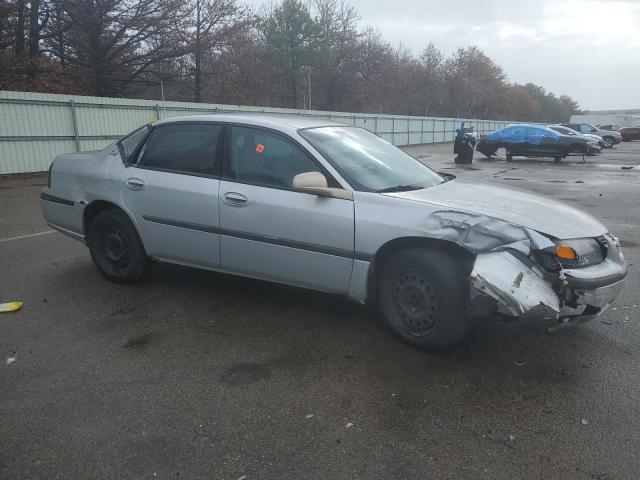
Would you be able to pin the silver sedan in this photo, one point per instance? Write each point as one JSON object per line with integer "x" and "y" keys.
{"x": 330, "y": 207}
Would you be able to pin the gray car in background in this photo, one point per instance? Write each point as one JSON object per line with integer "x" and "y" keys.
{"x": 594, "y": 142}
{"x": 609, "y": 137}
{"x": 335, "y": 208}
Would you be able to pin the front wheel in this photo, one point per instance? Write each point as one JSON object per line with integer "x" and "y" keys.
{"x": 424, "y": 298}
{"x": 116, "y": 248}
{"x": 607, "y": 142}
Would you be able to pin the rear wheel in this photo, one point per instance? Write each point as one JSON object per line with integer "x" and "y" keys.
{"x": 116, "y": 248}
{"x": 424, "y": 298}
{"x": 557, "y": 159}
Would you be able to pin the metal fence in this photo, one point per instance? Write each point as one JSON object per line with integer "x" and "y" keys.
{"x": 35, "y": 127}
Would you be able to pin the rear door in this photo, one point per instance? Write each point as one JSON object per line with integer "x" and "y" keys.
{"x": 172, "y": 192}
{"x": 270, "y": 231}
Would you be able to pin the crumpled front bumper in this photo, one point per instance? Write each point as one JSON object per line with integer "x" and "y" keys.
{"x": 521, "y": 288}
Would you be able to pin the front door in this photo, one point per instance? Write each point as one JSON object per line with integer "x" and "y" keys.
{"x": 270, "y": 231}
{"x": 172, "y": 192}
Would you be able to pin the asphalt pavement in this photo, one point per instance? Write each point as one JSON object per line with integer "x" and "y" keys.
{"x": 198, "y": 375}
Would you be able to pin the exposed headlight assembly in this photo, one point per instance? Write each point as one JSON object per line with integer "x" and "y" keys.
{"x": 573, "y": 253}
{"x": 580, "y": 252}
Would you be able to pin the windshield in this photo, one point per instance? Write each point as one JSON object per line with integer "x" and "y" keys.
{"x": 368, "y": 162}
{"x": 564, "y": 131}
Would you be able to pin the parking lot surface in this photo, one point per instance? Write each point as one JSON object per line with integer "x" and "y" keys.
{"x": 198, "y": 375}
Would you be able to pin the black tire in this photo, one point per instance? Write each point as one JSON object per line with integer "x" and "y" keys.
{"x": 116, "y": 248}
{"x": 557, "y": 159}
{"x": 424, "y": 297}
{"x": 607, "y": 142}
{"x": 509, "y": 156}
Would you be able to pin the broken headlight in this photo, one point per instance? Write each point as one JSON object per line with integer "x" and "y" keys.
{"x": 580, "y": 252}
{"x": 573, "y": 253}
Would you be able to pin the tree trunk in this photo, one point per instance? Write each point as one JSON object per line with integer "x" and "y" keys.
{"x": 197, "y": 59}
{"x": 34, "y": 29}
{"x": 19, "y": 48}
{"x": 294, "y": 90}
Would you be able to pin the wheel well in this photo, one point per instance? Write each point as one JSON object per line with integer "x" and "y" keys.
{"x": 388, "y": 249}
{"x": 92, "y": 210}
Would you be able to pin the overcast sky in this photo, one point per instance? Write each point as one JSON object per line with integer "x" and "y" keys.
{"x": 588, "y": 49}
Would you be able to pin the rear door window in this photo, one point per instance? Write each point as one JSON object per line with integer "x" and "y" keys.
{"x": 189, "y": 148}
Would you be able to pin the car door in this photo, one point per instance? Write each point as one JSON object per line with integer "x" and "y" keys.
{"x": 171, "y": 190}
{"x": 271, "y": 232}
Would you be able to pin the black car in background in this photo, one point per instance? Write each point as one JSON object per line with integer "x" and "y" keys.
{"x": 531, "y": 141}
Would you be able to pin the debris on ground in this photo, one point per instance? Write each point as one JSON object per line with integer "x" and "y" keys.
{"x": 519, "y": 364}
{"x": 10, "y": 360}
{"x": 439, "y": 421}
{"x": 606, "y": 322}
{"x": 584, "y": 421}
{"x": 348, "y": 425}
{"x": 310, "y": 415}
{"x": 507, "y": 444}
{"x": 10, "y": 307}
{"x": 243, "y": 477}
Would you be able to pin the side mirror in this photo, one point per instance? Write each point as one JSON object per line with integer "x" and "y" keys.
{"x": 447, "y": 176}
{"x": 316, "y": 183}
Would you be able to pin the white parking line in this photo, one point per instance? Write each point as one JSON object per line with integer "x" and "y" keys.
{"x": 46, "y": 232}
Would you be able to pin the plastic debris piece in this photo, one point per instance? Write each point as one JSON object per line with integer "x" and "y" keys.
{"x": 519, "y": 364}
{"x": 10, "y": 307}
{"x": 584, "y": 421}
{"x": 243, "y": 477}
{"x": 348, "y": 425}
{"x": 511, "y": 438}
{"x": 310, "y": 415}
{"x": 10, "y": 360}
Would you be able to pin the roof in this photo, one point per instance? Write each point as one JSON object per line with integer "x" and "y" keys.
{"x": 263, "y": 119}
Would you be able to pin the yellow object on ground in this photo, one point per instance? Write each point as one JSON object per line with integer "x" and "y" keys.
{"x": 10, "y": 307}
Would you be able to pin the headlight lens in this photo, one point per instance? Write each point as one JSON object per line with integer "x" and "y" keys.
{"x": 579, "y": 252}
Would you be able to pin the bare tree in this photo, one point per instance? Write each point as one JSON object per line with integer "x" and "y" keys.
{"x": 112, "y": 43}
{"x": 205, "y": 27}
{"x": 337, "y": 22}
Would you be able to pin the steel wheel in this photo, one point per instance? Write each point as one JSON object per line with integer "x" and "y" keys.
{"x": 416, "y": 303}
{"x": 115, "y": 250}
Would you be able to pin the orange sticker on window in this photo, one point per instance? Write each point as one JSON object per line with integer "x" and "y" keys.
{"x": 260, "y": 148}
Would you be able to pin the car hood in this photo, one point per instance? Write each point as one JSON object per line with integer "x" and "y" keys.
{"x": 591, "y": 136}
{"x": 514, "y": 205}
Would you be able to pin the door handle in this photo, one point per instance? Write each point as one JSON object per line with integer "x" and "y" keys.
{"x": 235, "y": 199}
{"x": 135, "y": 183}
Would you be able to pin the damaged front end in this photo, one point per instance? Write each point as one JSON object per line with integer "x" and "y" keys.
{"x": 519, "y": 272}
